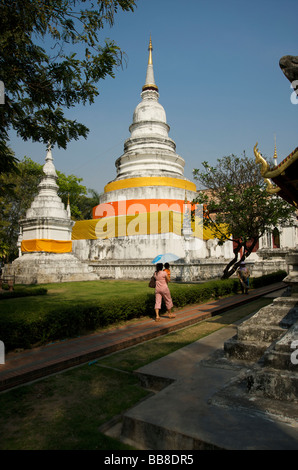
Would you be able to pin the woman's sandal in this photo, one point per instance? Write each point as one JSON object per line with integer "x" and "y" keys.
{"x": 157, "y": 319}
{"x": 172, "y": 316}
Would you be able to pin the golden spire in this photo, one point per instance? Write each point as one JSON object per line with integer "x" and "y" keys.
{"x": 150, "y": 82}
{"x": 150, "y": 49}
{"x": 275, "y": 153}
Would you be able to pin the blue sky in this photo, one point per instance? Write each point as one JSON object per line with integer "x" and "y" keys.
{"x": 216, "y": 64}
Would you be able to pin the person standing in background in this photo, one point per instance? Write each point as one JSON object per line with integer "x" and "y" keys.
{"x": 167, "y": 270}
{"x": 243, "y": 274}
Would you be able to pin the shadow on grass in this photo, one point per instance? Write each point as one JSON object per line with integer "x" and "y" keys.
{"x": 66, "y": 410}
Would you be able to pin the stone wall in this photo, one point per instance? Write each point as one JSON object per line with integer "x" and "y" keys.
{"x": 269, "y": 261}
{"x": 141, "y": 270}
{"x": 44, "y": 268}
{"x": 146, "y": 247}
{"x": 180, "y": 271}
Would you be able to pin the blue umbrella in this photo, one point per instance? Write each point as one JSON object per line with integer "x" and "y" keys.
{"x": 166, "y": 258}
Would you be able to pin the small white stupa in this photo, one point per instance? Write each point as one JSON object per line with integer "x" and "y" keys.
{"x": 47, "y": 226}
{"x": 45, "y": 246}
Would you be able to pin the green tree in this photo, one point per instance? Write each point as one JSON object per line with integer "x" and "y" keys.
{"x": 70, "y": 190}
{"x": 8, "y": 164}
{"x": 40, "y": 83}
{"x": 87, "y": 203}
{"x": 74, "y": 193}
{"x": 236, "y": 206}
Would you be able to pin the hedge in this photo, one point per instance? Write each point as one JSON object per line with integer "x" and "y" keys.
{"x": 268, "y": 279}
{"x": 80, "y": 318}
{"x": 21, "y": 291}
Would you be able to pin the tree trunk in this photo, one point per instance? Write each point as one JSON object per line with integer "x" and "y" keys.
{"x": 229, "y": 270}
{"x": 234, "y": 264}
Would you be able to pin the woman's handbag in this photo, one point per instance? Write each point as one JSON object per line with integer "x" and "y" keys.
{"x": 152, "y": 282}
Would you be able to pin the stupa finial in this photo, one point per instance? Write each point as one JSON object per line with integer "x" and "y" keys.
{"x": 150, "y": 82}
{"x": 49, "y": 167}
{"x": 150, "y": 49}
{"x": 275, "y": 153}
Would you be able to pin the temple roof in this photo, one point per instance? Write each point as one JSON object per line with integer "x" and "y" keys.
{"x": 284, "y": 176}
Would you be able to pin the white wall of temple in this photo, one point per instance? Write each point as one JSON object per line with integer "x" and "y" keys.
{"x": 50, "y": 229}
{"x": 152, "y": 127}
{"x": 151, "y": 112}
{"x": 49, "y": 206}
{"x": 288, "y": 237}
{"x": 138, "y": 270}
{"x": 149, "y": 162}
{"x": 148, "y": 246}
{"x": 148, "y": 192}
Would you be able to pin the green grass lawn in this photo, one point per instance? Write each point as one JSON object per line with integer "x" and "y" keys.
{"x": 65, "y": 411}
{"x": 65, "y": 293}
{"x": 77, "y": 308}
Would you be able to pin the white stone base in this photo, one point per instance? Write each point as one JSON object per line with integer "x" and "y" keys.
{"x": 42, "y": 268}
{"x": 144, "y": 247}
{"x": 140, "y": 270}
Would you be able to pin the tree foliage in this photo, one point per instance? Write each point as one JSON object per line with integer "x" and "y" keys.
{"x": 51, "y": 58}
{"x": 234, "y": 197}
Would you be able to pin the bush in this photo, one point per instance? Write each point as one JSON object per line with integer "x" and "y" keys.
{"x": 80, "y": 317}
{"x": 22, "y": 291}
{"x": 267, "y": 279}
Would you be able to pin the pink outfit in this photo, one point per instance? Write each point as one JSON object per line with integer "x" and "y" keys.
{"x": 162, "y": 291}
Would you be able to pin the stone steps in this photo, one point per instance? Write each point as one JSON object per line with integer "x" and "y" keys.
{"x": 247, "y": 351}
{"x": 281, "y": 354}
{"x": 266, "y": 340}
{"x": 255, "y": 336}
{"x": 267, "y": 383}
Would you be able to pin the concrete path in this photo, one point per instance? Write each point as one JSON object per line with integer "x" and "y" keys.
{"x": 189, "y": 414}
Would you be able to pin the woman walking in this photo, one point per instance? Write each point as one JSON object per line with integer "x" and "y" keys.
{"x": 243, "y": 274}
{"x": 162, "y": 291}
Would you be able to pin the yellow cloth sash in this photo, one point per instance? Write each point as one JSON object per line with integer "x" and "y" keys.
{"x": 140, "y": 224}
{"x": 48, "y": 246}
{"x": 150, "y": 181}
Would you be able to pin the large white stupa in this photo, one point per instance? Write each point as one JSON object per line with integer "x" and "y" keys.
{"x": 145, "y": 210}
{"x": 149, "y": 152}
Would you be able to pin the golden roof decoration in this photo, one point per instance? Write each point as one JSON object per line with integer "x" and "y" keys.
{"x": 284, "y": 176}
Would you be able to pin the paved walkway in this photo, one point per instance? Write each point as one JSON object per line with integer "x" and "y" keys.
{"x": 204, "y": 405}
{"x": 28, "y": 365}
